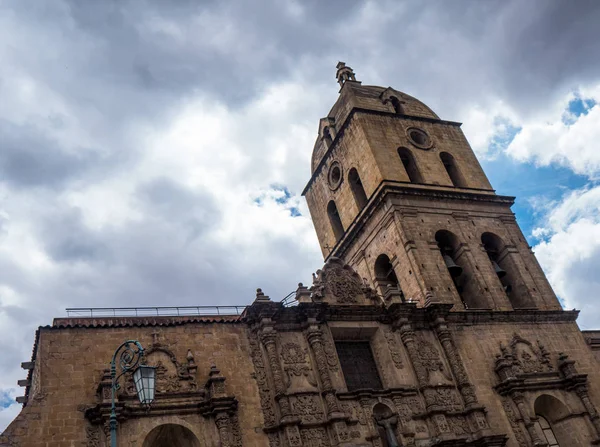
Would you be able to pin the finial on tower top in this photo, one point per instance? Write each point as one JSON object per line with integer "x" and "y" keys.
{"x": 344, "y": 73}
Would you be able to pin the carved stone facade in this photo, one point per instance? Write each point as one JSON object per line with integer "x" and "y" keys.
{"x": 428, "y": 280}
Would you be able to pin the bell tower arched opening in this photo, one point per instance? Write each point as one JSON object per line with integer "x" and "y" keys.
{"x": 506, "y": 271}
{"x": 358, "y": 191}
{"x": 384, "y": 274}
{"x": 454, "y": 173}
{"x": 410, "y": 165}
{"x": 334, "y": 219}
{"x": 459, "y": 269}
{"x": 171, "y": 435}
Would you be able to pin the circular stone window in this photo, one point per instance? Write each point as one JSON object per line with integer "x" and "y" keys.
{"x": 419, "y": 138}
{"x": 335, "y": 175}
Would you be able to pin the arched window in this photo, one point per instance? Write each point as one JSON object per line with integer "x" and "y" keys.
{"x": 506, "y": 271}
{"x": 386, "y": 422}
{"x": 171, "y": 435}
{"x": 459, "y": 268}
{"x": 544, "y": 427}
{"x": 410, "y": 166}
{"x": 397, "y": 106}
{"x": 327, "y": 136}
{"x": 555, "y": 424}
{"x": 357, "y": 189}
{"x": 334, "y": 219}
{"x": 384, "y": 271}
{"x": 453, "y": 172}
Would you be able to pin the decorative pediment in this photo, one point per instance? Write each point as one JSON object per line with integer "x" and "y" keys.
{"x": 338, "y": 283}
{"x": 171, "y": 376}
{"x": 529, "y": 359}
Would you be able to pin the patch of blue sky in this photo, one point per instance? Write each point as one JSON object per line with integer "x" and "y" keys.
{"x": 6, "y": 400}
{"x": 530, "y": 184}
{"x": 577, "y": 106}
{"x": 285, "y": 196}
{"x": 295, "y": 211}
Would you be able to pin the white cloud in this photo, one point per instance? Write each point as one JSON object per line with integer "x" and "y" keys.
{"x": 570, "y": 254}
{"x": 550, "y": 138}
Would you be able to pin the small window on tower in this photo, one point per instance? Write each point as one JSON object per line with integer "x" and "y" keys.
{"x": 335, "y": 175}
{"x": 419, "y": 138}
{"x": 358, "y": 365}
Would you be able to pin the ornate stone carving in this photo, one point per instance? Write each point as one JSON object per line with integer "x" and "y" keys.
{"x": 269, "y": 340}
{"x": 330, "y": 353}
{"x": 432, "y": 362}
{"x": 93, "y": 436}
{"x": 262, "y": 381}
{"x": 527, "y": 359}
{"x": 442, "y": 397}
{"x": 392, "y": 343}
{"x": 236, "y": 434}
{"x": 293, "y": 435}
{"x": 308, "y": 407}
{"x": 512, "y": 419}
{"x": 295, "y": 360}
{"x": 274, "y": 440}
{"x": 459, "y": 425}
{"x": 223, "y": 423}
{"x": 315, "y": 437}
{"x": 171, "y": 376}
{"x": 315, "y": 339}
{"x": 339, "y": 280}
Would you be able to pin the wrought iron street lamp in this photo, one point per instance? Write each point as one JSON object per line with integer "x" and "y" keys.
{"x": 129, "y": 354}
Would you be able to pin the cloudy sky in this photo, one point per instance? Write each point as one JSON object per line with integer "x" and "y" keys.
{"x": 153, "y": 152}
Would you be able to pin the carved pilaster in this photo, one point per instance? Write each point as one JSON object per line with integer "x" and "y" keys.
{"x": 408, "y": 338}
{"x": 223, "y": 423}
{"x": 269, "y": 339}
{"x": 529, "y": 423}
{"x": 262, "y": 381}
{"x": 315, "y": 339}
{"x": 456, "y": 365}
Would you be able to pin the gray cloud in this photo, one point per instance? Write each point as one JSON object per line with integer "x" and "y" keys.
{"x": 82, "y": 83}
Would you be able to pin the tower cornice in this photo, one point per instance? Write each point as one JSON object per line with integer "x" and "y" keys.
{"x": 435, "y": 192}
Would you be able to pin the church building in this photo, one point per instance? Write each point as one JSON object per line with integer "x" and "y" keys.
{"x": 431, "y": 323}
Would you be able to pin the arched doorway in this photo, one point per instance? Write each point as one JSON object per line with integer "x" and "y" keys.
{"x": 171, "y": 435}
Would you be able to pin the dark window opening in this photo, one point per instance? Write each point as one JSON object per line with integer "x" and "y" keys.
{"x": 385, "y": 275}
{"x": 327, "y": 136}
{"x": 358, "y": 365}
{"x": 357, "y": 189}
{"x": 410, "y": 166}
{"x": 334, "y": 219}
{"x": 397, "y": 106}
{"x": 453, "y": 172}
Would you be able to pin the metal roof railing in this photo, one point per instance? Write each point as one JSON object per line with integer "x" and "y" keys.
{"x": 157, "y": 311}
{"x": 290, "y": 300}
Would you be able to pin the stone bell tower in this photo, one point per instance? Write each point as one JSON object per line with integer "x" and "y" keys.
{"x": 398, "y": 194}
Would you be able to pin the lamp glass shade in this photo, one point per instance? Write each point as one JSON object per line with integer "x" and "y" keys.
{"x": 144, "y": 378}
